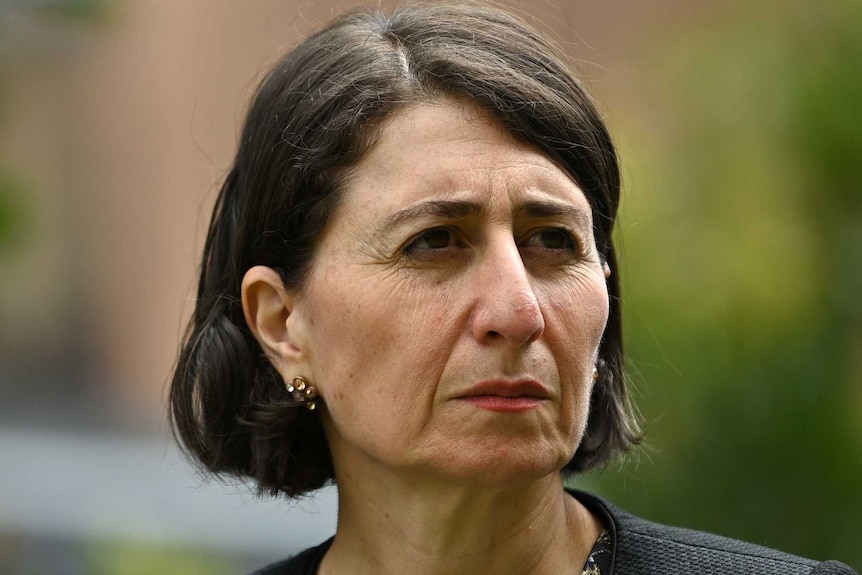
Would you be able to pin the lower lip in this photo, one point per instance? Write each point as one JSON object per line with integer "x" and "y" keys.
{"x": 500, "y": 403}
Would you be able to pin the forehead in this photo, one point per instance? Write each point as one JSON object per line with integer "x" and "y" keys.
{"x": 454, "y": 150}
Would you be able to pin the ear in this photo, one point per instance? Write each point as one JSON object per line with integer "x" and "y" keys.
{"x": 607, "y": 269}
{"x": 267, "y": 307}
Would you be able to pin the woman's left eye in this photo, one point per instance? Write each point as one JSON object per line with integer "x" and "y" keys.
{"x": 552, "y": 239}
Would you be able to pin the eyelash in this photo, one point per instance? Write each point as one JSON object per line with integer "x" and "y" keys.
{"x": 413, "y": 249}
{"x": 572, "y": 244}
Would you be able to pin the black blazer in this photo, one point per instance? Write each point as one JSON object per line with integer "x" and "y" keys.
{"x": 642, "y": 547}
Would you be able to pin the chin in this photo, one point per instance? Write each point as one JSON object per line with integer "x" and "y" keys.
{"x": 504, "y": 467}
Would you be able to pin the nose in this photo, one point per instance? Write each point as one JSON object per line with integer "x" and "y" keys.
{"x": 507, "y": 309}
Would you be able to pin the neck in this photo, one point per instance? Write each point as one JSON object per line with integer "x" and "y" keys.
{"x": 419, "y": 527}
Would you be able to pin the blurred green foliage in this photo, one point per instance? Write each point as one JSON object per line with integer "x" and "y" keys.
{"x": 742, "y": 249}
{"x": 136, "y": 558}
{"x": 68, "y": 11}
{"x": 9, "y": 204}
{"x": 13, "y": 213}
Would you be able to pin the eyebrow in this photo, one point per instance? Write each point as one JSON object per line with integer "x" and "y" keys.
{"x": 450, "y": 209}
{"x": 456, "y": 209}
{"x": 543, "y": 209}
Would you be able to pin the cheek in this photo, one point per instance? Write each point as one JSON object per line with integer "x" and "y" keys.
{"x": 579, "y": 314}
{"x": 577, "y": 320}
{"x": 375, "y": 341}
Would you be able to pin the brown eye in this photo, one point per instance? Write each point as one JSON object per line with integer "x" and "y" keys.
{"x": 433, "y": 239}
{"x": 552, "y": 239}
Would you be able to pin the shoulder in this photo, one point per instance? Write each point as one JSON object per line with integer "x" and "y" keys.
{"x": 305, "y": 563}
{"x": 641, "y": 546}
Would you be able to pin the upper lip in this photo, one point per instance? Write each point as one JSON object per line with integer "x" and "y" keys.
{"x": 508, "y": 388}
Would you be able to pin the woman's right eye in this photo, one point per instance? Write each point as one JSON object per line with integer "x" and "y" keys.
{"x": 432, "y": 240}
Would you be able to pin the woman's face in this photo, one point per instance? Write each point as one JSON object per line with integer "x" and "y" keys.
{"x": 453, "y": 313}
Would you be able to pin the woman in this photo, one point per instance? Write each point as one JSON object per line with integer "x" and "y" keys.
{"x": 408, "y": 287}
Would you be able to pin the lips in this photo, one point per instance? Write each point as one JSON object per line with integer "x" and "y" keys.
{"x": 506, "y": 396}
{"x": 500, "y": 388}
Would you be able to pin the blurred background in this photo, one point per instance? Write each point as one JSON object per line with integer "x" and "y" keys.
{"x": 740, "y": 130}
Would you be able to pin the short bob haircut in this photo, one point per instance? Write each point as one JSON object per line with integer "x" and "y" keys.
{"x": 313, "y": 117}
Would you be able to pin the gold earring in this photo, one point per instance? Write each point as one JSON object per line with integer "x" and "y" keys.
{"x": 595, "y": 374}
{"x": 302, "y": 392}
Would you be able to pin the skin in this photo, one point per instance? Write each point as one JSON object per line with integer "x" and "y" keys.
{"x": 458, "y": 256}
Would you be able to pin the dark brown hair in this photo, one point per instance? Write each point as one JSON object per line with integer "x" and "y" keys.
{"x": 313, "y": 117}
